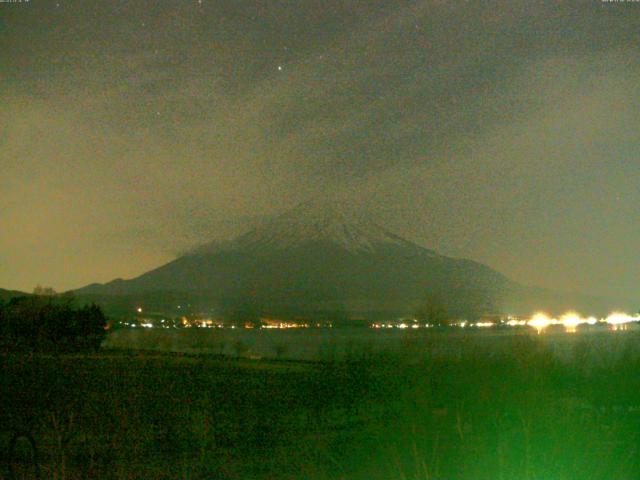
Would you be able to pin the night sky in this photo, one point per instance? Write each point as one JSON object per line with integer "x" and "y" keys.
{"x": 505, "y": 132}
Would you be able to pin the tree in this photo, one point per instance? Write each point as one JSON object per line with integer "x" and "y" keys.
{"x": 90, "y": 326}
{"x": 51, "y": 323}
{"x": 44, "y": 291}
{"x": 432, "y": 311}
{"x": 2, "y": 317}
{"x": 243, "y": 311}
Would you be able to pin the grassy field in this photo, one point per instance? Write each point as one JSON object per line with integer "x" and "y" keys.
{"x": 518, "y": 413}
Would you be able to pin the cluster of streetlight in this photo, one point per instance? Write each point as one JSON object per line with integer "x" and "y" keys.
{"x": 540, "y": 321}
{"x": 571, "y": 321}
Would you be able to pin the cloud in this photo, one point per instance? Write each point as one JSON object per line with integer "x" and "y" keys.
{"x": 484, "y": 130}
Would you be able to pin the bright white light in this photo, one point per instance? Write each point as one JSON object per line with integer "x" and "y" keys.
{"x": 484, "y": 324}
{"x": 540, "y": 321}
{"x": 139, "y": 309}
{"x": 619, "y": 318}
{"x": 571, "y": 319}
{"x": 516, "y": 323}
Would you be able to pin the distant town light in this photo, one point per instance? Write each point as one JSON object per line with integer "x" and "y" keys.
{"x": 484, "y": 324}
{"x": 571, "y": 320}
{"x": 619, "y": 318}
{"x": 540, "y": 321}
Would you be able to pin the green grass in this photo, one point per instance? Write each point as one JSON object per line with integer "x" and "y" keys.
{"x": 520, "y": 413}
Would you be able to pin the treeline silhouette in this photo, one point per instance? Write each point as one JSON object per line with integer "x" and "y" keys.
{"x": 50, "y": 323}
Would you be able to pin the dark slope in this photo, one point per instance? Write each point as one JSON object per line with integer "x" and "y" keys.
{"x": 322, "y": 276}
{"x": 316, "y": 258}
{"x": 6, "y": 295}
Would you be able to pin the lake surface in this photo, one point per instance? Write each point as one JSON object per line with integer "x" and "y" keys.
{"x": 327, "y": 344}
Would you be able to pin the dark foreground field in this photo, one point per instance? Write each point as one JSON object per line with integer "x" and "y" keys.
{"x": 518, "y": 414}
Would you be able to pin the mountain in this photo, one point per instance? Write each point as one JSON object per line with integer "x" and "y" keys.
{"x": 6, "y": 295}
{"x": 314, "y": 260}
{"x": 335, "y": 224}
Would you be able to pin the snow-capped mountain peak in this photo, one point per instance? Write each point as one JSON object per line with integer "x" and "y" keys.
{"x": 339, "y": 224}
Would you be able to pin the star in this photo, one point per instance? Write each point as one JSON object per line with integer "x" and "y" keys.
{"x": 279, "y": 68}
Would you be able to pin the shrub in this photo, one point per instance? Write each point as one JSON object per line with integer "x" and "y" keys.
{"x": 51, "y": 323}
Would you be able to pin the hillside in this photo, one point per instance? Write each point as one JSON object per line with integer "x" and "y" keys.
{"x": 6, "y": 295}
{"x": 317, "y": 259}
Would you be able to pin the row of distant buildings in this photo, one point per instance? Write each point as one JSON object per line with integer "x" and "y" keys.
{"x": 194, "y": 321}
{"x": 570, "y": 321}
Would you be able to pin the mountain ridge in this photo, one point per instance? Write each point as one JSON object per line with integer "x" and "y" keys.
{"x": 6, "y": 295}
{"x": 313, "y": 221}
{"x": 319, "y": 258}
